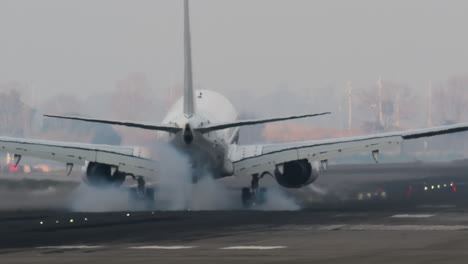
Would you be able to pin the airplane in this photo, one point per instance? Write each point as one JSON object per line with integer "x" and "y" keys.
{"x": 203, "y": 124}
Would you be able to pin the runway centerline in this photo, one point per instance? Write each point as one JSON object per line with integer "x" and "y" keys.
{"x": 70, "y": 247}
{"x": 255, "y": 247}
{"x": 412, "y": 216}
{"x": 163, "y": 247}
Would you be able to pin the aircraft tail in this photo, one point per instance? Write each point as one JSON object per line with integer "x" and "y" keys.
{"x": 189, "y": 97}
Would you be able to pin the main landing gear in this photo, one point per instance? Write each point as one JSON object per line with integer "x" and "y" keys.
{"x": 254, "y": 195}
{"x": 141, "y": 194}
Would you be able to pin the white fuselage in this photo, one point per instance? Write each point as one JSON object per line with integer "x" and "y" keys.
{"x": 208, "y": 153}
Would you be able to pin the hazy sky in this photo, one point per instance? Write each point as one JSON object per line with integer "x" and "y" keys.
{"x": 85, "y": 46}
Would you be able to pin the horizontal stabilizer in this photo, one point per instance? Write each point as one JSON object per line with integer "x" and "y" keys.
{"x": 252, "y": 122}
{"x": 121, "y": 123}
{"x": 434, "y": 131}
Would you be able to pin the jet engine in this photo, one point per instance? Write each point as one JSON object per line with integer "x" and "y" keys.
{"x": 103, "y": 175}
{"x": 297, "y": 174}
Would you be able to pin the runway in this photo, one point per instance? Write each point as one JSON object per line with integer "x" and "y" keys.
{"x": 427, "y": 226}
{"x": 388, "y": 236}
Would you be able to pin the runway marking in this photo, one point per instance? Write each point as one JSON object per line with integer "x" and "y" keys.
{"x": 438, "y": 206}
{"x": 412, "y": 216}
{"x": 255, "y": 247}
{"x": 71, "y": 247}
{"x": 375, "y": 228}
{"x": 163, "y": 247}
{"x": 408, "y": 228}
{"x": 352, "y": 215}
{"x": 331, "y": 227}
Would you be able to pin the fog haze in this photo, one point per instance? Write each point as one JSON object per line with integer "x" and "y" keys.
{"x": 85, "y": 47}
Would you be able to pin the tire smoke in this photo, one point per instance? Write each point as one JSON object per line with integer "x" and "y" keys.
{"x": 175, "y": 191}
{"x": 90, "y": 199}
{"x": 277, "y": 200}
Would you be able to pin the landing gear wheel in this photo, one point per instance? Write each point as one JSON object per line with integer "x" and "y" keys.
{"x": 137, "y": 200}
{"x": 247, "y": 200}
{"x": 149, "y": 198}
{"x": 141, "y": 195}
{"x": 262, "y": 195}
{"x": 253, "y": 195}
{"x": 132, "y": 195}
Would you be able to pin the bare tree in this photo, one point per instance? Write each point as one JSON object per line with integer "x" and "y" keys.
{"x": 450, "y": 101}
{"x": 15, "y": 116}
{"x": 394, "y": 108}
{"x": 133, "y": 100}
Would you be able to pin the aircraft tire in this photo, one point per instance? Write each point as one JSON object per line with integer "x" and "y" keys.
{"x": 262, "y": 196}
{"x": 246, "y": 198}
{"x": 149, "y": 198}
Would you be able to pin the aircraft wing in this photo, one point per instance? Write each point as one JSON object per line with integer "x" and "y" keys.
{"x": 126, "y": 159}
{"x": 252, "y": 159}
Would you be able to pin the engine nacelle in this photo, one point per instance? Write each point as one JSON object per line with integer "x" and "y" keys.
{"x": 297, "y": 174}
{"x": 102, "y": 175}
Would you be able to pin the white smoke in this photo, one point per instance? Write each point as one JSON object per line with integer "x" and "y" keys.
{"x": 89, "y": 199}
{"x": 277, "y": 200}
{"x": 173, "y": 180}
{"x": 208, "y": 194}
{"x": 175, "y": 191}
{"x": 318, "y": 190}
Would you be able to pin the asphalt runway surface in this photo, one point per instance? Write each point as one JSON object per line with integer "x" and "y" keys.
{"x": 406, "y": 213}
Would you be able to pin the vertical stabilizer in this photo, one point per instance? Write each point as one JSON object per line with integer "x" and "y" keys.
{"x": 189, "y": 98}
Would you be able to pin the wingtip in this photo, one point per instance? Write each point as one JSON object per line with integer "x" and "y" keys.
{"x": 51, "y": 116}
